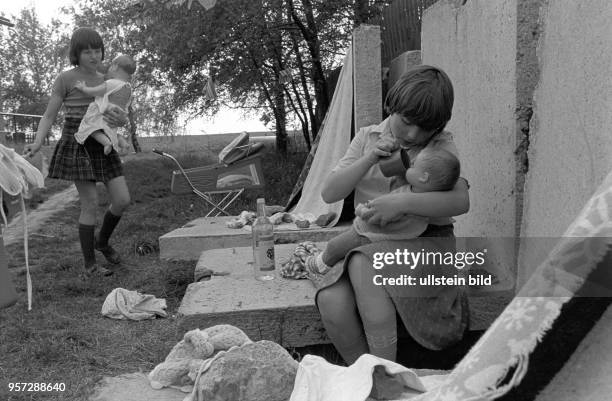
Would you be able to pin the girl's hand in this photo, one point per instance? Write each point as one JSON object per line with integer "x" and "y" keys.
{"x": 383, "y": 148}
{"x": 115, "y": 116}
{"x": 31, "y": 149}
{"x": 80, "y": 85}
{"x": 381, "y": 211}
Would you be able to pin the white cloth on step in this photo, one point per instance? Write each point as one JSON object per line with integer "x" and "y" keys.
{"x": 132, "y": 305}
{"x": 318, "y": 380}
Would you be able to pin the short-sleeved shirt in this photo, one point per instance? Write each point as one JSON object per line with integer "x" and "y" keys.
{"x": 74, "y": 100}
{"x": 374, "y": 184}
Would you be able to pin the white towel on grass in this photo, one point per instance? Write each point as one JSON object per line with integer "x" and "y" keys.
{"x": 132, "y": 305}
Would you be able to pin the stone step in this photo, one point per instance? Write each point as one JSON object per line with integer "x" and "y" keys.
{"x": 586, "y": 375}
{"x": 132, "y": 387}
{"x": 189, "y": 241}
{"x": 281, "y": 310}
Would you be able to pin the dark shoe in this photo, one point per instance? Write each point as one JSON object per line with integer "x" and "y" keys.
{"x": 97, "y": 270}
{"x": 109, "y": 253}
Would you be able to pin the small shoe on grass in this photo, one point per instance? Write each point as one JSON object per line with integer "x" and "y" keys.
{"x": 109, "y": 253}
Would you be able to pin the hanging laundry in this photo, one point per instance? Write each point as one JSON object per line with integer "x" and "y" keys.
{"x": 19, "y": 177}
{"x": 210, "y": 93}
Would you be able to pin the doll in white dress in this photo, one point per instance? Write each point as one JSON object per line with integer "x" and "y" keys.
{"x": 116, "y": 90}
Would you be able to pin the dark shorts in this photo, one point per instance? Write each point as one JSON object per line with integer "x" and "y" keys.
{"x": 435, "y": 316}
{"x": 87, "y": 162}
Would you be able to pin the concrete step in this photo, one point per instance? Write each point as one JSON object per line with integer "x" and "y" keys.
{"x": 189, "y": 241}
{"x": 586, "y": 375}
{"x": 132, "y": 387}
{"x": 281, "y": 310}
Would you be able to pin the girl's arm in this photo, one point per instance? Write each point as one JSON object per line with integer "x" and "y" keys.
{"x": 94, "y": 91}
{"x": 115, "y": 116}
{"x": 53, "y": 107}
{"x": 387, "y": 208}
{"x": 339, "y": 184}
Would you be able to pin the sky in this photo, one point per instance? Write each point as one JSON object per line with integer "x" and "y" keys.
{"x": 227, "y": 120}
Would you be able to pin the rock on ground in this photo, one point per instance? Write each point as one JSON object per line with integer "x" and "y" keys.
{"x": 260, "y": 371}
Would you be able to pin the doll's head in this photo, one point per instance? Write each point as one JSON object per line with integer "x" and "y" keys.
{"x": 433, "y": 169}
{"x": 122, "y": 67}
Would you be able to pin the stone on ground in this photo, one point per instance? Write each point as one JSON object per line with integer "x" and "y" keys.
{"x": 261, "y": 371}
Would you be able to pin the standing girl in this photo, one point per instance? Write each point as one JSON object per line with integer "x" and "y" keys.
{"x": 85, "y": 164}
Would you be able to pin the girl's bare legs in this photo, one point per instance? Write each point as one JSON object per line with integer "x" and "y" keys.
{"x": 341, "y": 320}
{"x": 376, "y": 309}
{"x": 119, "y": 195}
{"x": 120, "y": 200}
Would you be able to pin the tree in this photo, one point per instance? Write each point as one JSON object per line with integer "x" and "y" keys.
{"x": 272, "y": 56}
{"x": 32, "y": 56}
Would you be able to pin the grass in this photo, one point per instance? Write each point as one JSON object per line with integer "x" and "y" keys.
{"x": 65, "y": 338}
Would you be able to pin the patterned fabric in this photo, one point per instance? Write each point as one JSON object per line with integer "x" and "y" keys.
{"x": 86, "y": 162}
{"x": 435, "y": 316}
{"x": 295, "y": 267}
{"x": 502, "y": 353}
{"x": 75, "y": 102}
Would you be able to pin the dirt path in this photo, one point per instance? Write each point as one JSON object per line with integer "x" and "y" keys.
{"x": 37, "y": 217}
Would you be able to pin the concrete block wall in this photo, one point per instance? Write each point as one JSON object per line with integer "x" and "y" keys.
{"x": 367, "y": 84}
{"x": 476, "y": 45}
{"x": 570, "y": 150}
{"x": 532, "y": 112}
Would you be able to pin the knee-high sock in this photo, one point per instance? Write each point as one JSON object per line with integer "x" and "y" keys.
{"x": 108, "y": 225}
{"x": 382, "y": 339}
{"x": 86, "y": 238}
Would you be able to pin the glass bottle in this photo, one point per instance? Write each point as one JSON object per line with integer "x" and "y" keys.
{"x": 263, "y": 244}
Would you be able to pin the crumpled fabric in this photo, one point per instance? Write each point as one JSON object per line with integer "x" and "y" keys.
{"x": 132, "y": 305}
{"x": 18, "y": 175}
{"x": 319, "y": 380}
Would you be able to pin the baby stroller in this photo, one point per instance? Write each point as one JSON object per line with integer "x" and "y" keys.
{"x": 221, "y": 184}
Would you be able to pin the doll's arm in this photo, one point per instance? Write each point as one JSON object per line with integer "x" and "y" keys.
{"x": 99, "y": 90}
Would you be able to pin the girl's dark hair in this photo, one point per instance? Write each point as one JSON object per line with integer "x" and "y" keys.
{"x": 424, "y": 96}
{"x": 82, "y": 39}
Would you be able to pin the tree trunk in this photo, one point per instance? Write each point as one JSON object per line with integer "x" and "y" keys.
{"x": 280, "y": 115}
{"x": 314, "y": 123}
{"x": 310, "y": 34}
{"x": 133, "y": 137}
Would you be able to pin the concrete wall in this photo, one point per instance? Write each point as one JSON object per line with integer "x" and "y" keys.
{"x": 570, "y": 149}
{"x": 487, "y": 47}
{"x": 532, "y": 114}
{"x": 475, "y": 44}
{"x": 367, "y": 83}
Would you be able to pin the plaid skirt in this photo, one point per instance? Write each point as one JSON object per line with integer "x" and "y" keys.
{"x": 436, "y": 316}
{"x": 87, "y": 162}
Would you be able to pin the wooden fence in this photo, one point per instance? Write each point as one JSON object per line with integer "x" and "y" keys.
{"x": 400, "y": 25}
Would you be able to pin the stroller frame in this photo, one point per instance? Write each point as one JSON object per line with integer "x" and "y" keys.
{"x": 208, "y": 181}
